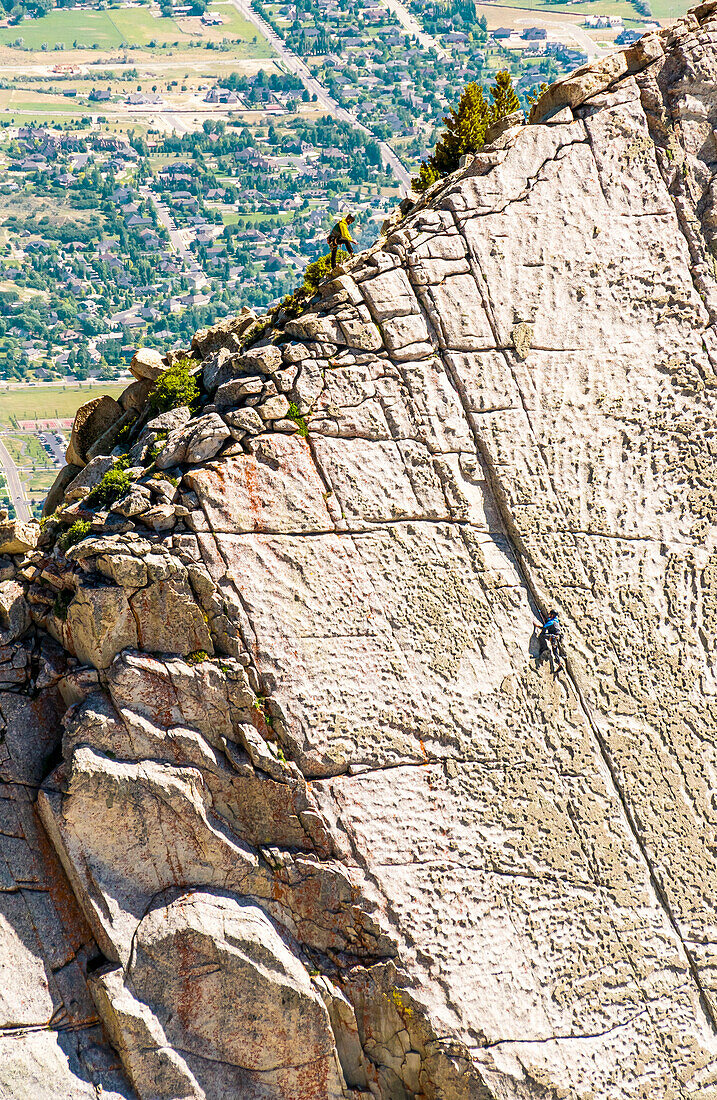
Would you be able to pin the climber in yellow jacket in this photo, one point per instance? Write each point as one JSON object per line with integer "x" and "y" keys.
{"x": 340, "y": 237}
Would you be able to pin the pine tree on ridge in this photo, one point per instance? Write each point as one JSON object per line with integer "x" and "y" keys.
{"x": 466, "y": 127}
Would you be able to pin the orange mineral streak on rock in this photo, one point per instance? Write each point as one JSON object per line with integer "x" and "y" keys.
{"x": 73, "y": 920}
{"x": 254, "y": 497}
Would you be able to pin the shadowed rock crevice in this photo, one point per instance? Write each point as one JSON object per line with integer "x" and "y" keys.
{"x": 525, "y": 570}
{"x": 332, "y": 824}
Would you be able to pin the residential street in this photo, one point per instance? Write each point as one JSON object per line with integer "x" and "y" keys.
{"x": 297, "y": 66}
{"x": 570, "y": 30}
{"x": 175, "y": 236}
{"x": 413, "y": 27}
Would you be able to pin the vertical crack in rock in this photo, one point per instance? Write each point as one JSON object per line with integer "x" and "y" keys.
{"x": 705, "y": 995}
{"x": 51, "y": 1036}
{"x": 540, "y": 602}
{"x": 335, "y": 829}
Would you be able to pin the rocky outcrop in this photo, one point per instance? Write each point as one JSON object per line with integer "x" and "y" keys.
{"x": 334, "y": 828}
{"x": 17, "y": 536}
{"x": 92, "y": 421}
{"x": 51, "y": 1037}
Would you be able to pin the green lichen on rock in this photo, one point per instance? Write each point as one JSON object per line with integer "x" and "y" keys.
{"x": 522, "y": 338}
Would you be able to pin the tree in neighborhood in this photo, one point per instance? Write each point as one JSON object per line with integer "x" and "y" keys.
{"x": 466, "y": 126}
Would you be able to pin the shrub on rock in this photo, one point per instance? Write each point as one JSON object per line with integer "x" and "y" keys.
{"x": 80, "y": 530}
{"x": 317, "y": 271}
{"x": 114, "y": 485}
{"x": 176, "y": 387}
{"x": 466, "y": 127}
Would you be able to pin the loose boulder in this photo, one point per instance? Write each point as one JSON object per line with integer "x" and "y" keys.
{"x": 92, "y": 420}
{"x": 197, "y": 441}
{"x": 14, "y": 612}
{"x": 147, "y": 365}
{"x": 17, "y": 537}
{"x": 226, "y": 334}
{"x": 238, "y": 967}
{"x": 135, "y": 396}
{"x": 57, "y": 490}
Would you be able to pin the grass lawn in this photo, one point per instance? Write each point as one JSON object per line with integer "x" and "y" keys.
{"x": 668, "y": 9}
{"x": 27, "y": 450}
{"x": 139, "y": 27}
{"x": 23, "y": 99}
{"x": 37, "y": 485}
{"x": 28, "y": 115}
{"x": 235, "y": 26}
{"x": 40, "y": 481}
{"x": 14, "y": 446}
{"x": 130, "y": 27}
{"x": 87, "y": 28}
{"x": 35, "y": 452}
{"x": 109, "y": 29}
{"x": 46, "y": 402}
{"x": 498, "y": 14}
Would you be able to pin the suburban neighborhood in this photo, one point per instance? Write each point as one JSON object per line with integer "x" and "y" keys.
{"x": 163, "y": 166}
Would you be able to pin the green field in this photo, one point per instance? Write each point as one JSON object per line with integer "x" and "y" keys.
{"x": 26, "y": 450}
{"x": 45, "y": 402}
{"x": 139, "y": 28}
{"x": 668, "y": 9}
{"x": 234, "y": 25}
{"x": 109, "y": 29}
{"x": 40, "y": 482}
{"x": 590, "y": 7}
{"x": 127, "y": 27}
{"x": 37, "y": 486}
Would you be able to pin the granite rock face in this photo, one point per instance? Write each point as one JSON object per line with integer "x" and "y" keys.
{"x": 52, "y": 1042}
{"x": 334, "y": 829}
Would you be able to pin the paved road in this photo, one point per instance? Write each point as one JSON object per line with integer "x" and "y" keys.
{"x": 15, "y": 489}
{"x": 297, "y": 66}
{"x": 175, "y": 235}
{"x": 147, "y": 65}
{"x": 172, "y": 121}
{"x": 571, "y": 30}
{"x": 582, "y": 37}
{"x": 412, "y": 25}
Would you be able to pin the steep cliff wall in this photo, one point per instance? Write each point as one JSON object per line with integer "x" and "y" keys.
{"x": 333, "y": 826}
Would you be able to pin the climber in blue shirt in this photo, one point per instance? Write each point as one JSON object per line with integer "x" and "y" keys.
{"x": 550, "y": 637}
